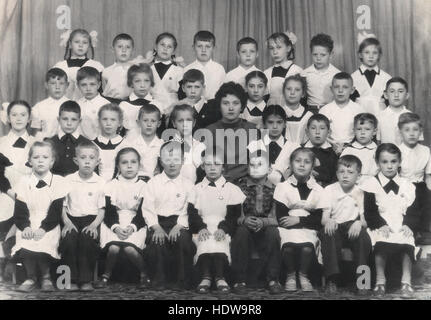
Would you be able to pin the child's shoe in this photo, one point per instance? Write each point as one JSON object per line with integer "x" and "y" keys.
{"x": 407, "y": 290}
{"x": 331, "y": 288}
{"x": 87, "y": 287}
{"x": 222, "y": 286}
{"x": 27, "y": 286}
{"x": 102, "y": 283}
{"x": 204, "y": 286}
{"x": 290, "y": 285}
{"x": 306, "y": 285}
{"x": 240, "y": 288}
{"x": 379, "y": 290}
{"x": 73, "y": 287}
{"x": 274, "y": 287}
{"x": 144, "y": 282}
{"x": 47, "y": 286}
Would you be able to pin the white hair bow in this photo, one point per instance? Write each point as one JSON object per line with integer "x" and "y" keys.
{"x": 292, "y": 37}
{"x": 65, "y": 38}
{"x": 364, "y": 35}
{"x": 93, "y": 36}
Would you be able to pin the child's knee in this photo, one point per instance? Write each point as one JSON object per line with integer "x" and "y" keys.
{"x": 114, "y": 249}
{"x": 131, "y": 251}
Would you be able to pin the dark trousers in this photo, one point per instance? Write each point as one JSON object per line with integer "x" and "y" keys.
{"x": 33, "y": 260}
{"x": 80, "y": 251}
{"x": 212, "y": 264}
{"x": 171, "y": 258}
{"x": 266, "y": 242}
{"x": 332, "y": 245}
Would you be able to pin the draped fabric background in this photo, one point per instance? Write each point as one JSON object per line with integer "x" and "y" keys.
{"x": 29, "y": 37}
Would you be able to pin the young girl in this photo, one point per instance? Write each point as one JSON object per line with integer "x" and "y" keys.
{"x": 37, "y": 214}
{"x": 298, "y": 210}
{"x": 280, "y": 46}
{"x": 213, "y": 218}
{"x": 294, "y": 89}
{"x": 255, "y": 83}
{"x": 392, "y": 215}
{"x": 16, "y": 144}
{"x": 109, "y": 142}
{"x": 183, "y": 118}
{"x": 167, "y": 72}
{"x": 369, "y": 80}
{"x": 124, "y": 226}
{"x": 79, "y": 53}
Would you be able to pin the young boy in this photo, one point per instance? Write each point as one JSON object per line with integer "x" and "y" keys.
{"x": 44, "y": 113}
{"x": 147, "y": 143}
{"x": 68, "y": 137}
{"x": 341, "y": 111}
{"x": 320, "y": 74}
{"x": 169, "y": 244}
{"x": 232, "y": 133}
{"x": 343, "y": 221}
{"x": 88, "y": 79}
{"x": 140, "y": 79}
{"x": 114, "y": 77}
{"x": 193, "y": 85}
{"x": 203, "y": 45}
{"x": 318, "y": 129}
{"x": 365, "y": 127}
{"x": 257, "y": 227}
{"x": 83, "y": 212}
{"x": 247, "y": 52}
{"x": 397, "y": 93}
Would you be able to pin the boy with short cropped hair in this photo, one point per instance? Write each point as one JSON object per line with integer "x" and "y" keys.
{"x": 83, "y": 212}
{"x": 68, "y": 137}
{"x": 320, "y": 74}
{"x": 193, "y": 85}
{"x": 247, "y": 52}
{"x": 203, "y": 45}
{"x": 45, "y": 113}
{"x": 341, "y": 111}
{"x": 397, "y": 94}
{"x": 89, "y": 81}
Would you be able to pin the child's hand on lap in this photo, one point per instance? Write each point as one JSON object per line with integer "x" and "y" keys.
{"x": 121, "y": 233}
{"x": 203, "y": 235}
{"x": 92, "y": 230}
{"x": 330, "y": 227}
{"x": 250, "y": 222}
{"x": 219, "y": 235}
{"x": 68, "y": 227}
{"x": 129, "y": 230}
{"x": 385, "y": 231}
{"x": 406, "y": 231}
{"x": 38, "y": 234}
{"x": 291, "y": 221}
{"x": 259, "y": 225}
{"x": 355, "y": 230}
{"x": 159, "y": 235}
{"x": 27, "y": 233}
{"x": 175, "y": 233}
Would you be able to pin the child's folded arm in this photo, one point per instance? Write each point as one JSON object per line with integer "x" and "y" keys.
{"x": 228, "y": 225}
{"x": 21, "y": 215}
{"x": 281, "y": 210}
{"x": 196, "y": 222}
{"x": 138, "y": 221}
{"x": 413, "y": 216}
{"x": 53, "y": 217}
{"x": 371, "y": 212}
{"x": 312, "y": 221}
{"x": 271, "y": 220}
{"x": 111, "y": 219}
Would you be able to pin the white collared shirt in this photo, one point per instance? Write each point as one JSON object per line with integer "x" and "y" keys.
{"x": 275, "y": 84}
{"x": 341, "y": 120}
{"x": 149, "y": 152}
{"x": 198, "y": 105}
{"x": 214, "y": 74}
{"x": 115, "y": 80}
{"x": 319, "y": 84}
{"x": 18, "y": 156}
{"x": 343, "y": 206}
{"x": 415, "y": 162}
{"x": 247, "y": 116}
{"x": 89, "y": 113}
{"x": 295, "y": 129}
{"x": 85, "y": 197}
{"x": 388, "y": 131}
{"x": 367, "y": 156}
{"x": 238, "y": 74}
{"x": 167, "y": 197}
{"x": 166, "y": 90}
{"x": 325, "y": 145}
{"x": 61, "y": 134}
{"x": 46, "y": 111}
{"x": 107, "y": 156}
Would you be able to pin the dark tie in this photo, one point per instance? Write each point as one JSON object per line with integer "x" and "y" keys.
{"x": 279, "y": 72}
{"x": 370, "y": 75}
{"x": 20, "y": 143}
{"x": 162, "y": 68}
{"x": 67, "y": 138}
{"x": 212, "y": 184}
{"x": 41, "y": 184}
{"x": 274, "y": 151}
{"x": 303, "y": 190}
{"x": 391, "y": 186}
{"x": 255, "y": 112}
{"x": 76, "y": 62}
{"x": 139, "y": 102}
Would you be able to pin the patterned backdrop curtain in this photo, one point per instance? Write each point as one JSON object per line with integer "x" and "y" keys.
{"x": 29, "y": 36}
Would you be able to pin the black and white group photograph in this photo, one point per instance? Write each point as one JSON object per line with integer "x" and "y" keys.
{"x": 215, "y": 154}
